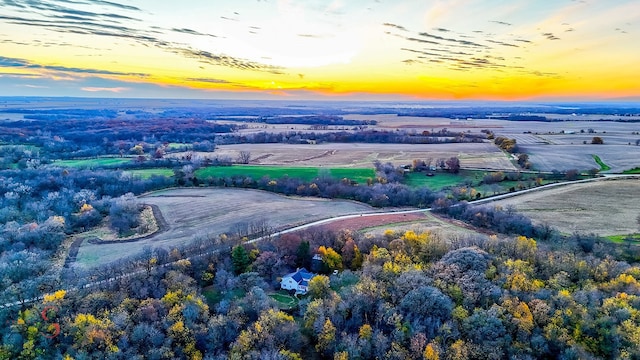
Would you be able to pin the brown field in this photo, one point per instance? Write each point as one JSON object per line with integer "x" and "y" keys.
{"x": 419, "y": 222}
{"x": 604, "y": 207}
{"x": 365, "y": 222}
{"x": 214, "y": 211}
{"x": 564, "y": 157}
{"x": 359, "y": 155}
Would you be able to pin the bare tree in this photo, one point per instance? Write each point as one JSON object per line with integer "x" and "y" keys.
{"x": 244, "y": 157}
{"x": 453, "y": 164}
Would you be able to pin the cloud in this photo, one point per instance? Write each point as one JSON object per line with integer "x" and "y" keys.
{"x": 191, "y": 32}
{"x": 501, "y": 43}
{"x": 209, "y": 80}
{"x": 463, "y": 42}
{"x": 398, "y": 27}
{"x": 105, "y": 89}
{"x": 9, "y": 62}
{"x": 68, "y": 20}
{"x": 422, "y": 41}
{"x": 550, "y": 36}
{"x": 228, "y": 61}
{"x": 312, "y": 36}
{"x": 501, "y": 23}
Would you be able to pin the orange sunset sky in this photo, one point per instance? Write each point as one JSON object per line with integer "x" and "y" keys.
{"x": 312, "y": 49}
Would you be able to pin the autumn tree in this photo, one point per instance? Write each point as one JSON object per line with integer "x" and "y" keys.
{"x": 274, "y": 330}
{"x": 319, "y": 287}
{"x": 331, "y": 259}
{"x": 597, "y": 140}
{"x": 453, "y": 164}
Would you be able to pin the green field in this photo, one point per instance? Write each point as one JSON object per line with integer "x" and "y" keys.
{"x": 179, "y": 146}
{"x": 436, "y": 182}
{"x": 621, "y": 239}
{"x": 90, "y": 163}
{"x": 276, "y": 172}
{"x": 603, "y": 166}
{"x": 147, "y": 173}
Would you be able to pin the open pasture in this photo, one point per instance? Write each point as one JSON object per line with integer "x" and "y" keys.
{"x": 607, "y": 207}
{"x": 147, "y": 173}
{"x": 214, "y": 211}
{"x": 96, "y": 162}
{"x": 275, "y": 172}
{"x": 362, "y": 155}
{"x": 564, "y": 157}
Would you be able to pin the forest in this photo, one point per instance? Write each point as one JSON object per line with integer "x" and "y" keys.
{"x": 512, "y": 290}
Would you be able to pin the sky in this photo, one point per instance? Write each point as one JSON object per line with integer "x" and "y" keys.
{"x": 322, "y": 49}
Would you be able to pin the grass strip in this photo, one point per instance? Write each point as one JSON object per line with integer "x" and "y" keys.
{"x": 603, "y": 166}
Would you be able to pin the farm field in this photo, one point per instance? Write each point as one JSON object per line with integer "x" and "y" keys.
{"x": 275, "y": 172}
{"x": 565, "y": 157}
{"x": 447, "y": 229}
{"x": 147, "y": 173}
{"x": 549, "y": 149}
{"x": 213, "y": 211}
{"x": 607, "y": 207}
{"x": 419, "y": 222}
{"x": 97, "y": 162}
{"x": 362, "y": 155}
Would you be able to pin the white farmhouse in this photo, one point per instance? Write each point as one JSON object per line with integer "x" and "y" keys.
{"x": 298, "y": 281}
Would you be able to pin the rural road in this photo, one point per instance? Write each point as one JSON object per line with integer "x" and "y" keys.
{"x": 344, "y": 217}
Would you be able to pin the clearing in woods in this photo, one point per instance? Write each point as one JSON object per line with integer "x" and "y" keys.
{"x": 214, "y": 211}
{"x": 607, "y": 207}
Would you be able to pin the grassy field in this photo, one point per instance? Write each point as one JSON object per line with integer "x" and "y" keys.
{"x": 622, "y": 239}
{"x": 284, "y": 301}
{"x": 473, "y": 177}
{"x": 603, "y": 166}
{"x": 147, "y": 173}
{"x": 441, "y": 179}
{"x": 276, "y": 172}
{"x": 89, "y": 163}
{"x": 215, "y": 211}
{"x": 604, "y": 208}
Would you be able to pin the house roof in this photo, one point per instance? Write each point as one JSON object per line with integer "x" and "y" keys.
{"x": 301, "y": 276}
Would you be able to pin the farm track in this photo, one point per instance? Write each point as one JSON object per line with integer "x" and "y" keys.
{"x": 326, "y": 221}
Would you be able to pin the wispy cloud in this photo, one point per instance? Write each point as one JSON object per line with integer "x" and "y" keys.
{"x": 395, "y": 26}
{"x": 209, "y": 80}
{"x": 105, "y": 89}
{"x": 8, "y": 62}
{"x": 69, "y": 20}
{"x": 550, "y": 36}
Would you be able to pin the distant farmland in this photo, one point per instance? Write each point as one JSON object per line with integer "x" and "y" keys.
{"x": 362, "y": 155}
{"x": 602, "y": 207}
{"x": 215, "y": 211}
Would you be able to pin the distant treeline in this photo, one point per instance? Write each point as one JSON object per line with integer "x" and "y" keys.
{"x": 365, "y": 136}
{"x": 303, "y": 120}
